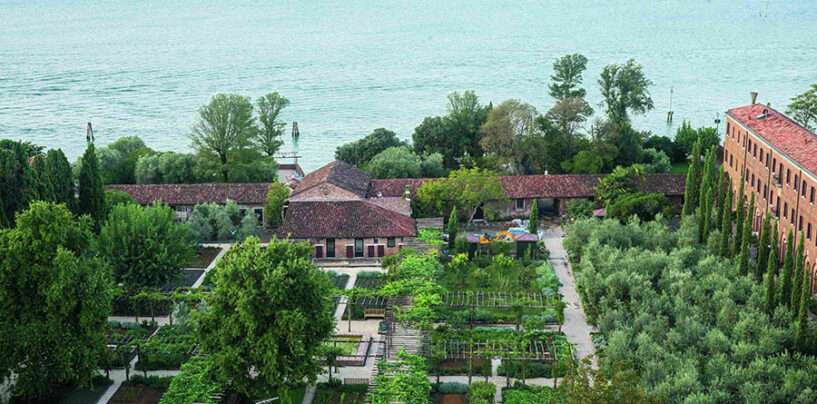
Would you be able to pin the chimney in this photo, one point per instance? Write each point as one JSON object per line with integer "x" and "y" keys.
{"x": 754, "y": 97}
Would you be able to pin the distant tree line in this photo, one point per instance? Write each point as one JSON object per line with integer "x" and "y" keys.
{"x": 514, "y": 137}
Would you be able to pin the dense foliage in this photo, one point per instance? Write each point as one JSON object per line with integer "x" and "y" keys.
{"x": 145, "y": 246}
{"x": 692, "y": 324}
{"x": 212, "y": 221}
{"x": 269, "y": 314}
{"x": 274, "y": 209}
{"x": 464, "y": 189}
{"x": 55, "y": 299}
{"x": 401, "y": 162}
{"x": 361, "y": 151}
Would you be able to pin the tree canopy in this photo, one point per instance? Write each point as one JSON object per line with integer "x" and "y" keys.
{"x": 803, "y": 108}
{"x": 625, "y": 90}
{"x": 401, "y": 162}
{"x": 270, "y": 312}
{"x": 223, "y": 130}
{"x": 55, "y": 297}
{"x": 145, "y": 246}
{"x": 91, "y": 190}
{"x": 363, "y": 150}
{"x": 466, "y": 189}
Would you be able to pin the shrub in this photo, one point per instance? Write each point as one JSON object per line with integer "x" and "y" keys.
{"x": 114, "y": 324}
{"x": 532, "y": 369}
{"x": 130, "y": 325}
{"x": 453, "y": 388}
{"x": 481, "y": 393}
{"x": 154, "y": 382}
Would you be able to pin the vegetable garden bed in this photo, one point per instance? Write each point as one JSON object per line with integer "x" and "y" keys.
{"x": 340, "y": 393}
{"x": 204, "y": 256}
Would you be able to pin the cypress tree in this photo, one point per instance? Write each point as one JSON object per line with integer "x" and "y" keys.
{"x": 44, "y": 188}
{"x": 741, "y": 212}
{"x": 763, "y": 248}
{"x": 91, "y": 191}
{"x": 770, "y": 285}
{"x": 59, "y": 174}
{"x": 801, "y": 331}
{"x": 705, "y": 217}
{"x": 788, "y": 272}
{"x": 743, "y": 262}
{"x": 708, "y": 178}
{"x": 18, "y": 182}
{"x": 533, "y": 225}
{"x": 799, "y": 273}
{"x": 722, "y": 177}
{"x": 693, "y": 184}
{"x": 4, "y": 222}
{"x": 726, "y": 223}
{"x": 453, "y": 228}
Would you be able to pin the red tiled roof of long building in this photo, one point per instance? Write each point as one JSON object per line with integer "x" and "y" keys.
{"x": 785, "y": 135}
{"x": 338, "y": 173}
{"x": 343, "y": 219}
{"x": 541, "y": 186}
{"x": 193, "y": 194}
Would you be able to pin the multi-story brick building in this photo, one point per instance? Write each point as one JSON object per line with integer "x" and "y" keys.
{"x": 777, "y": 159}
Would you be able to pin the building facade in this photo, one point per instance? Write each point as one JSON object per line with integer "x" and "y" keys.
{"x": 776, "y": 159}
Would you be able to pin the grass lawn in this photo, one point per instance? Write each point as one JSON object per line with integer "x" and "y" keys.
{"x": 681, "y": 167}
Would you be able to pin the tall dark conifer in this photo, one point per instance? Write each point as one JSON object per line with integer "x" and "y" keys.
{"x": 91, "y": 191}
{"x": 801, "y": 328}
{"x": 763, "y": 248}
{"x": 62, "y": 182}
{"x": 693, "y": 184}
{"x": 725, "y": 249}
{"x": 740, "y": 207}
{"x": 722, "y": 186}
{"x": 799, "y": 273}
{"x": 770, "y": 284}
{"x": 746, "y": 243}
{"x": 788, "y": 272}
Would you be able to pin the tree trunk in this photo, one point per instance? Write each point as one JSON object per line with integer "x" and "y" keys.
{"x": 223, "y": 157}
{"x": 349, "y": 314}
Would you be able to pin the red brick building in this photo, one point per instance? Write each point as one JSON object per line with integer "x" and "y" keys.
{"x": 778, "y": 160}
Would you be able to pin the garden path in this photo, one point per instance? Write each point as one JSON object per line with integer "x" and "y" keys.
{"x": 575, "y": 326}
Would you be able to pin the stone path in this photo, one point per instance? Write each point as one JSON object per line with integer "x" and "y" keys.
{"x": 575, "y": 326}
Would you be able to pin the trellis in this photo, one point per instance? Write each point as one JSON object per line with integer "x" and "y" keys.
{"x": 498, "y": 300}
{"x": 533, "y": 350}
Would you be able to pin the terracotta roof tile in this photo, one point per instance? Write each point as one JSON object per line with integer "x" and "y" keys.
{"x": 542, "y": 186}
{"x": 344, "y": 219}
{"x": 340, "y": 174}
{"x": 785, "y": 135}
{"x": 193, "y": 194}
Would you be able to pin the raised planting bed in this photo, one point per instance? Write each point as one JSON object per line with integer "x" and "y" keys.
{"x": 356, "y": 347}
{"x": 449, "y": 393}
{"x": 69, "y": 394}
{"x": 459, "y": 367}
{"x": 439, "y": 398}
{"x": 167, "y": 349}
{"x": 137, "y": 394}
{"x": 187, "y": 279}
{"x": 204, "y": 256}
{"x": 340, "y": 393}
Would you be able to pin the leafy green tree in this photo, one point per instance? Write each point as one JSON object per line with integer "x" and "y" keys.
{"x": 622, "y": 181}
{"x": 693, "y": 182}
{"x": 224, "y": 127}
{"x": 248, "y": 226}
{"x": 726, "y": 222}
{"x": 145, "y": 246}
{"x": 592, "y": 385}
{"x": 363, "y": 150}
{"x": 270, "y": 313}
{"x": 566, "y": 79}
{"x": 763, "y": 248}
{"x": 115, "y": 197}
{"x": 770, "y": 285}
{"x": 584, "y": 162}
{"x": 117, "y": 160}
{"x": 401, "y": 162}
{"x": 18, "y": 182}
{"x": 402, "y": 381}
{"x": 167, "y": 168}
{"x": 466, "y": 114}
{"x": 803, "y": 108}
{"x": 669, "y": 147}
{"x": 788, "y": 272}
{"x": 625, "y": 90}
{"x": 466, "y": 189}
{"x": 453, "y": 228}
{"x": 799, "y": 274}
{"x": 656, "y": 161}
{"x": 59, "y": 174}
{"x": 580, "y": 208}
{"x": 569, "y": 115}
{"x": 194, "y": 384}
{"x": 686, "y": 136}
{"x": 505, "y": 129}
{"x": 645, "y": 206}
{"x": 56, "y": 298}
{"x": 271, "y": 128}
{"x": 274, "y": 208}
{"x": 91, "y": 191}
{"x": 4, "y": 221}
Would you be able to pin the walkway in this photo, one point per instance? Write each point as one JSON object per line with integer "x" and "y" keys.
{"x": 575, "y": 326}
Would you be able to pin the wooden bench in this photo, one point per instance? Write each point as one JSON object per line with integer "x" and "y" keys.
{"x": 374, "y": 313}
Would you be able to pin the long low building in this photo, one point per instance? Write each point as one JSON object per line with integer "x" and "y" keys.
{"x": 345, "y": 213}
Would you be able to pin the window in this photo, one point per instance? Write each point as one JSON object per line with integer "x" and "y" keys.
{"x": 811, "y": 196}
{"x": 765, "y": 191}
{"x": 792, "y": 215}
{"x": 803, "y": 189}
{"x": 774, "y": 164}
{"x": 788, "y": 176}
{"x": 753, "y": 180}
{"x": 785, "y": 209}
{"x": 390, "y": 242}
{"x": 777, "y": 204}
{"x": 374, "y": 241}
{"x": 796, "y": 181}
{"x": 730, "y": 161}
{"x": 781, "y": 169}
{"x": 358, "y": 247}
{"x": 800, "y": 224}
{"x": 761, "y": 156}
{"x": 746, "y": 177}
{"x": 808, "y": 231}
{"x": 330, "y": 248}
{"x": 520, "y": 204}
{"x": 754, "y": 150}
{"x": 727, "y": 130}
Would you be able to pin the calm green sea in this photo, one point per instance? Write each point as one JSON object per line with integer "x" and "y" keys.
{"x": 143, "y": 67}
